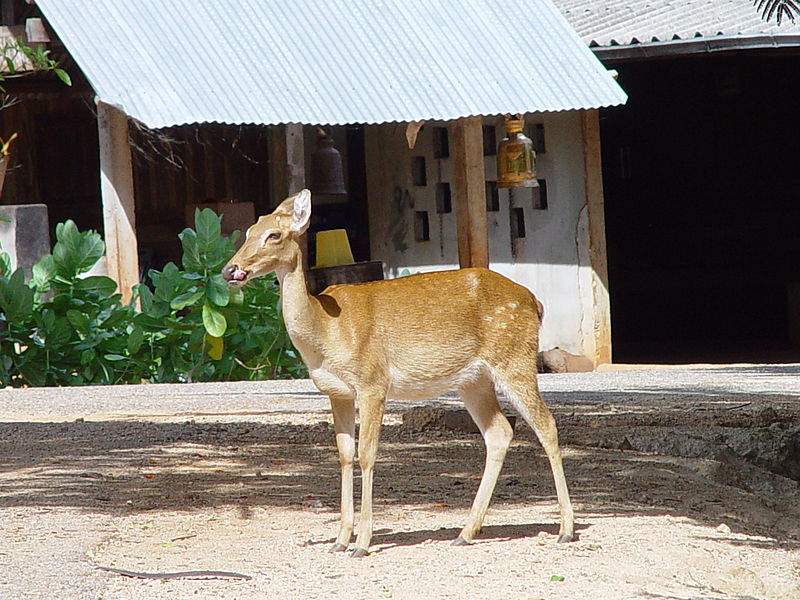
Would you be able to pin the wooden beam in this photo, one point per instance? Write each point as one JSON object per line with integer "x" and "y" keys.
{"x": 287, "y": 162}
{"x": 116, "y": 189}
{"x": 590, "y": 126}
{"x": 287, "y": 175}
{"x": 469, "y": 181}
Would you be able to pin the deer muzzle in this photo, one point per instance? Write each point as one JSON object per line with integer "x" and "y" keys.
{"x": 234, "y": 275}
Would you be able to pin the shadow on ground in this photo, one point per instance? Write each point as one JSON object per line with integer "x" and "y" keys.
{"x": 124, "y": 467}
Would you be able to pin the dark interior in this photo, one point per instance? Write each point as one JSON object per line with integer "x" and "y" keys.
{"x": 702, "y": 187}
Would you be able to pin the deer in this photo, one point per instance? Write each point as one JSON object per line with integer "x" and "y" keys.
{"x": 411, "y": 338}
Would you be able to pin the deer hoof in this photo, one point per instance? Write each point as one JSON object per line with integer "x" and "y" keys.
{"x": 359, "y": 553}
{"x": 565, "y": 538}
{"x": 337, "y": 548}
{"x": 460, "y": 541}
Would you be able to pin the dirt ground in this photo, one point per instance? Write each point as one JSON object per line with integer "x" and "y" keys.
{"x": 670, "y": 473}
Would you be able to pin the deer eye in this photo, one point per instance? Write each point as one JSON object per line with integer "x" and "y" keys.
{"x": 273, "y": 237}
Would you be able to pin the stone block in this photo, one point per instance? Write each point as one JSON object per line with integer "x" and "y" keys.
{"x": 561, "y": 361}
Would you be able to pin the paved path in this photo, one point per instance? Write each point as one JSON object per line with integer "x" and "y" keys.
{"x": 716, "y": 384}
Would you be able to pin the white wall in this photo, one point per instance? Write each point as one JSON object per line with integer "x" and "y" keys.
{"x": 551, "y": 260}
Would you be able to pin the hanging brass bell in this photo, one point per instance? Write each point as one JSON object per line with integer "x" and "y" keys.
{"x": 515, "y": 156}
{"x": 327, "y": 175}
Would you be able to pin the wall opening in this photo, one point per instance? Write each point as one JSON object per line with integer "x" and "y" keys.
{"x": 492, "y": 197}
{"x": 444, "y": 202}
{"x": 539, "y": 195}
{"x": 422, "y": 228}
{"x": 419, "y": 174}
{"x": 441, "y": 143}
{"x": 517, "y": 222}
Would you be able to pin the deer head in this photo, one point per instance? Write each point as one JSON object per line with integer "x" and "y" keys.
{"x": 271, "y": 244}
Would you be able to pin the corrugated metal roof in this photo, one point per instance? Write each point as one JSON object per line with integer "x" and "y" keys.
{"x": 623, "y": 22}
{"x": 329, "y": 61}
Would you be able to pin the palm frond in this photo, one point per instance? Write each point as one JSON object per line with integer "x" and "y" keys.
{"x": 779, "y": 9}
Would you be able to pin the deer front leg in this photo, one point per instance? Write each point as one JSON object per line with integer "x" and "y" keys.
{"x": 345, "y": 425}
{"x": 371, "y": 407}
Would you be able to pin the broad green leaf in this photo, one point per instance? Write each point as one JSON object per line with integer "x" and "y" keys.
{"x": 236, "y": 296}
{"x": 213, "y": 321}
{"x": 105, "y": 286}
{"x": 43, "y": 272}
{"x": 116, "y": 316}
{"x": 48, "y": 318}
{"x": 79, "y": 321}
{"x": 159, "y": 310}
{"x": 135, "y": 340}
{"x": 16, "y": 298}
{"x": 87, "y": 356}
{"x": 217, "y": 290}
{"x": 149, "y": 322}
{"x": 215, "y": 346}
{"x": 76, "y": 252}
{"x": 168, "y": 283}
{"x": 184, "y": 300}
{"x": 145, "y": 296}
{"x": 59, "y": 334}
{"x": 191, "y": 254}
{"x": 209, "y": 230}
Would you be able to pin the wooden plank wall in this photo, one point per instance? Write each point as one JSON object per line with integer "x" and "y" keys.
{"x": 55, "y": 161}
{"x": 178, "y": 167}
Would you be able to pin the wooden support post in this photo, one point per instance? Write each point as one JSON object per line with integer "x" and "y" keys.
{"x": 590, "y": 126}
{"x": 287, "y": 162}
{"x": 469, "y": 180}
{"x": 116, "y": 189}
{"x": 287, "y": 176}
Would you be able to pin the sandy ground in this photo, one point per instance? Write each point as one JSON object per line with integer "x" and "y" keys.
{"x": 243, "y": 478}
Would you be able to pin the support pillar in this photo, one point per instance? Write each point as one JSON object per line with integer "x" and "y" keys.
{"x": 469, "y": 180}
{"x": 287, "y": 162}
{"x": 601, "y": 303}
{"x": 116, "y": 189}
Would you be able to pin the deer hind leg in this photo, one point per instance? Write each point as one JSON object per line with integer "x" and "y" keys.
{"x": 481, "y": 402}
{"x": 371, "y": 407}
{"x": 345, "y": 426}
{"x": 523, "y": 392}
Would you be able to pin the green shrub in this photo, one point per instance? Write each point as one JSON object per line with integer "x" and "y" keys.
{"x": 65, "y": 328}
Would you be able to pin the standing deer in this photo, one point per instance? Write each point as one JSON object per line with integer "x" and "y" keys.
{"x": 415, "y": 337}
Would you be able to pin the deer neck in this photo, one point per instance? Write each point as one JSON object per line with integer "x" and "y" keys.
{"x": 301, "y": 312}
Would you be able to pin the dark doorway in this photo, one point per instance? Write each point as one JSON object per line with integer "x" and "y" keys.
{"x": 702, "y": 190}
{"x": 68, "y": 166}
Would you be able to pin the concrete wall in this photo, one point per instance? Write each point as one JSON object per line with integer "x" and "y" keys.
{"x": 552, "y": 259}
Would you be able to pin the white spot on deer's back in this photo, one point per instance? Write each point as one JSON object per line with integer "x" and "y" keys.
{"x": 473, "y": 282}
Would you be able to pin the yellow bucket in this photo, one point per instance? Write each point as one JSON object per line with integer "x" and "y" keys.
{"x": 333, "y": 249}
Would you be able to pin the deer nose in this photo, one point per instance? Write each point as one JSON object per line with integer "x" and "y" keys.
{"x": 227, "y": 272}
{"x": 233, "y": 273}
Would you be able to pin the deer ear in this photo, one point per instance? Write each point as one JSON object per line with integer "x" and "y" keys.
{"x": 301, "y": 211}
